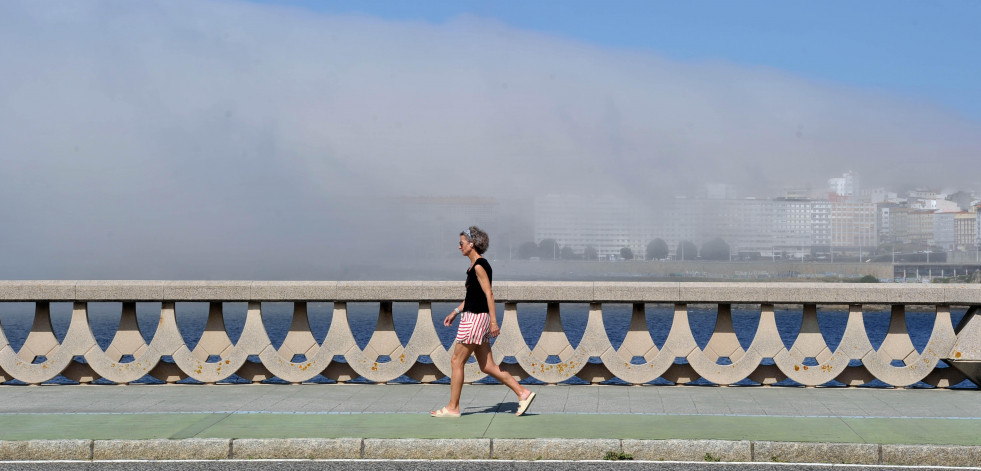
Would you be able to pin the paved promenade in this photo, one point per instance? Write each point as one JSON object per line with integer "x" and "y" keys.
{"x": 594, "y": 418}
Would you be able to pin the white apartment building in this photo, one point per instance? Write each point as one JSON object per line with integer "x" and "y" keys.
{"x": 944, "y": 236}
{"x": 965, "y": 230}
{"x": 820, "y": 223}
{"x": 977, "y": 226}
{"x": 878, "y": 195}
{"x": 607, "y": 223}
{"x": 853, "y": 224}
{"x": 884, "y": 215}
{"x": 919, "y": 230}
{"x": 845, "y": 185}
{"x": 801, "y": 224}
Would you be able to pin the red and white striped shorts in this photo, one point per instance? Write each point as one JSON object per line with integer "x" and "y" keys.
{"x": 474, "y": 328}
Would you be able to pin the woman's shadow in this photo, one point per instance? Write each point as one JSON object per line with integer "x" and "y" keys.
{"x": 504, "y": 407}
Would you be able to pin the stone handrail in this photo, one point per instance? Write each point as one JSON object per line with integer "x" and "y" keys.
{"x": 809, "y": 361}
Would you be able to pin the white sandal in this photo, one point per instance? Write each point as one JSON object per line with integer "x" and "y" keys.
{"x": 444, "y": 413}
{"x": 524, "y": 403}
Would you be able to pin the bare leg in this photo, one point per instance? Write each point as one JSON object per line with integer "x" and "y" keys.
{"x": 461, "y": 353}
{"x": 485, "y": 359}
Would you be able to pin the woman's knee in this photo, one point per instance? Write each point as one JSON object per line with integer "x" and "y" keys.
{"x": 490, "y": 368}
{"x": 459, "y": 357}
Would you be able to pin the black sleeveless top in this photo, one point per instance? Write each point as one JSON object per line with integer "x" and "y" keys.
{"x": 476, "y": 300}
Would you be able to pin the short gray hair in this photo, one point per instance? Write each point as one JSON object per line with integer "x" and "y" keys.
{"x": 478, "y": 237}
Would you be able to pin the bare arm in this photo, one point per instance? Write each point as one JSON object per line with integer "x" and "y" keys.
{"x": 485, "y": 285}
{"x": 448, "y": 321}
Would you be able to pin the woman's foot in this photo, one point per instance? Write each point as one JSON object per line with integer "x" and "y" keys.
{"x": 445, "y": 412}
{"x": 524, "y": 401}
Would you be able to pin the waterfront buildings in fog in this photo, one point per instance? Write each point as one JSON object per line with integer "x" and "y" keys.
{"x": 605, "y": 223}
{"x": 799, "y": 225}
{"x": 848, "y": 221}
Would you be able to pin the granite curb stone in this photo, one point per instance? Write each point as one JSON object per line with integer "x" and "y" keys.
{"x": 931, "y": 455}
{"x": 162, "y": 449}
{"x": 553, "y": 449}
{"x": 500, "y": 448}
{"x": 297, "y": 448}
{"x": 689, "y": 450}
{"x": 418, "y": 448}
{"x": 835, "y": 453}
{"x": 32, "y": 450}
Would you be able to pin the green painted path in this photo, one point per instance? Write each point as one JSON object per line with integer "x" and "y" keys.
{"x": 884, "y": 416}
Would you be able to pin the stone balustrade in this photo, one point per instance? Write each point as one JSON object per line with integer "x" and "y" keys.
{"x": 767, "y": 360}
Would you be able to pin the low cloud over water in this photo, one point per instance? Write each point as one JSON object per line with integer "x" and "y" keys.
{"x": 203, "y": 139}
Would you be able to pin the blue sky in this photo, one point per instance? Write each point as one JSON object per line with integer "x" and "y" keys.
{"x": 919, "y": 50}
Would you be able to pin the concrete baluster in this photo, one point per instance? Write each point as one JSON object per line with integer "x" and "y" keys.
{"x": 383, "y": 341}
{"x": 299, "y": 341}
{"x": 766, "y": 344}
{"x": 512, "y": 343}
{"x": 41, "y": 342}
{"x": 214, "y": 343}
{"x": 424, "y": 341}
{"x": 898, "y": 346}
{"x": 340, "y": 341}
{"x": 595, "y": 343}
{"x": 127, "y": 341}
{"x": 637, "y": 343}
{"x": 810, "y": 344}
{"x": 168, "y": 341}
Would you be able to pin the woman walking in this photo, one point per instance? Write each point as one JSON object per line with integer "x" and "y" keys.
{"x": 478, "y": 324}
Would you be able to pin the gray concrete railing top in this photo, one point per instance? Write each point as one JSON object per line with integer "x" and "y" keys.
{"x": 504, "y": 291}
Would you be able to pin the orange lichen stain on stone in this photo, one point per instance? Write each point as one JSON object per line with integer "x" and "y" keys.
{"x": 375, "y": 368}
{"x": 805, "y": 367}
{"x": 957, "y": 354}
{"x": 402, "y": 358}
{"x": 826, "y": 368}
{"x": 227, "y": 361}
{"x": 796, "y": 367}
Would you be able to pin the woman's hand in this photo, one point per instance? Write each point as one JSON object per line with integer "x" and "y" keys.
{"x": 494, "y": 330}
{"x": 449, "y": 319}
